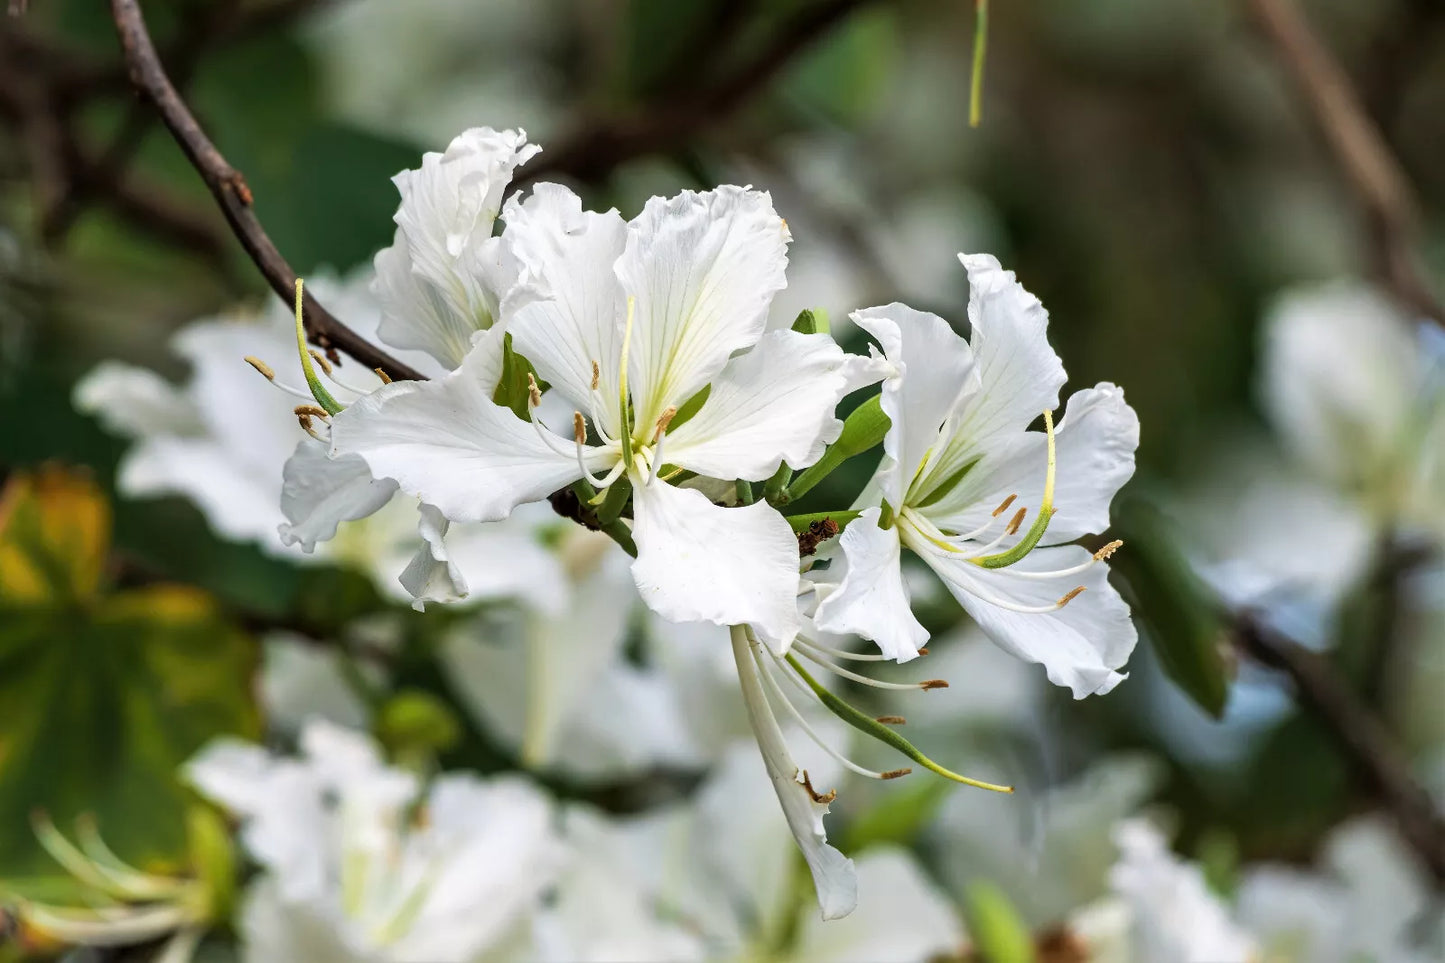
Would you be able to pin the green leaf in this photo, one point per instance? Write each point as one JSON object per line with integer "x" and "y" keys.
{"x": 1177, "y": 608}
{"x": 811, "y": 321}
{"x": 863, "y": 429}
{"x": 999, "y": 933}
{"x": 100, "y": 705}
{"x": 898, "y": 816}
{"x": 513, "y": 386}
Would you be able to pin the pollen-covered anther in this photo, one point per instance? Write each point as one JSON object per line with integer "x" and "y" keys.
{"x": 579, "y": 428}
{"x": 1004, "y": 506}
{"x": 385, "y": 378}
{"x": 663, "y": 420}
{"x": 1073, "y": 594}
{"x": 822, "y": 798}
{"x": 596, "y": 375}
{"x": 320, "y": 359}
{"x": 311, "y": 410}
{"x": 895, "y": 773}
{"x": 923, "y": 651}
{"x": 534, "y": 393}
{"x": 1108, "y": 550}
{"x": 1016, "y": 522}
{"x": 891, "y": 720}
{"x": 933, "y": 684}
{"x": 261, "y": 366}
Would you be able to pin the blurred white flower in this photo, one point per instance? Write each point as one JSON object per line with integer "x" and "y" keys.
{"x": 358, "y": 866}
{"x": 958, "y": 460}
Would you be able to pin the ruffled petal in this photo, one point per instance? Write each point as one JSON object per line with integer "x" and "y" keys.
{"x": 449, "y": 444}
{"x": 319, "y": 493}
{"x": 1095, "y": 444}
{"x": 703, "y": 269}
{"x": 933, "y": 369}
{"x": 870, "y": 599}
{"x": 1080, "y": 645}
{"x": 431, "y": 575}
{"x": 574, "y": 318}
{"x": 698, "y": 562}
{"x": 773, "y": 404}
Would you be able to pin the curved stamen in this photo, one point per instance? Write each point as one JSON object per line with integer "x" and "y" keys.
{"x": 1009, "y": 530}
{"x": 842, "y": 654}
{"x": 1088, "y": 563}
{"x": 579, "y": 435}
{"x": 817, "y": 659}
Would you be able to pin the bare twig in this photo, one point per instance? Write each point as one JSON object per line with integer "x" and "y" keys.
{"x": 230, "y": 191}
{"x": 599, "y": 145}
{"x": 1359, "y": 733}
{"x": 1374, "y": 175}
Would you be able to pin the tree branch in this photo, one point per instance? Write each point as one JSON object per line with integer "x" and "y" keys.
{"x": 234, "y": 197}
{"x": 1373, "y": 173}
{"x": 1362, "y": 736}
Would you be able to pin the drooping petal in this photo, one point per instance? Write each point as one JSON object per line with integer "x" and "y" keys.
{"x": 431, "y": 575}
{"x": 698, "y": 562}
{"x": 319, "y": 493}
{"x": 1080, "y": 645}
{"x": 1095, "y": 444}
{"x": 870, "y": 599}
{"x": 834, "y": 877}
{"x": 135, "y": 402}
{"x": 449, "y": 444}
{"x": 508, "y": 560}
{"x": 444, "y": 227}
{"x": 933, "y": 370}
{"x": 1019, "y": 373}
{"x": 574, "y": 319}
{"x": 703, "y": 269}
{"x": 773, "y": 404}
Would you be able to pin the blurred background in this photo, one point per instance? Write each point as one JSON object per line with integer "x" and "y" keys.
{"x": 1154, "y": 172}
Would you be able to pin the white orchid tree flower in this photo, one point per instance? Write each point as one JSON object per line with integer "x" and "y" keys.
{"x": 357, "y": 866}
{"x": 961, "y": 476}
{"x": 651, "y": 334}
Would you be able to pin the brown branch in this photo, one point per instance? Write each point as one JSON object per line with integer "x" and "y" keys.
{"x": 1359, "y": 148}
{"x": 600, "y": 144}
{"x": 1359, "y": 733}
{"x": 234, "y": 197}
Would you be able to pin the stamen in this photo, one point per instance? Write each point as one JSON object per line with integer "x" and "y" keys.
{"x": 1099, "y": 556}
{"x": 534, "y": 393}
{"x": 1004, "y": 507}
{"x": 892, "y": 720}
{"x": 301, "y": 410}
{"x": 596, "y": 375}
{"x": 1010, "y": 529}
{"x": 385, "y": 378}
{"x": 663, "y": 420}
{"x": 579, "y": 435}
{"x": 260, "y": 366}
{"x": 579, "y": 428}
{"x": 1016, "y": 521}
{"x": 841, "y": 654}
{"x": 1108, "y": 550}
{"x": 927, "y": 684}
{"x": 320, "y": 359}
{"x": 816, "y": 658}
{"x": 1035, "y": 533}
{"x": 1073, "y": 594}
{"x": 894, "y": 773}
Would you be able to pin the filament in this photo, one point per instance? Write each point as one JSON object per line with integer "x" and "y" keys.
{"x": 813, "y": 656}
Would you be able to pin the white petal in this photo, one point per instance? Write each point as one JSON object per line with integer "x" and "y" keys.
{"x": 576, "y": 320}
{"x": 301, "y": 680}
{"x": 508, "y": 560}
{"x": 431, "y": 576}
{"x": 320, "y": 493}
{"x": 1019, "y": 373}
{"x": 449, "y": 444}
{"x": 834, "y": 878}
{"x": 772, "y": 404}
{"x": 703, "y": 268}
{"x": 697, "y": 562}
{"x": 444, "y": 227}
{"x": 870, "y": 599}
{"x": 273, "y": 927}
{"x": 1095, "y": 445}
{"x": 1080, "y": 645}
{"x": 933, "y": 370}
{"x": 135, "y": 402}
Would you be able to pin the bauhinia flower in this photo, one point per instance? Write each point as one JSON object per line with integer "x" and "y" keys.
{"x": 649, "y": 339}
{"x": 357, "y": 866}
{"x": 987, "y": 504}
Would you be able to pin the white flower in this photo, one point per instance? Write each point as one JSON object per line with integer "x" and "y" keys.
{"x": 961, "y": 475}
{"x": 351, "y": 873}
{"x": 1174, "y": 916}
{"x": 628, "y": 323}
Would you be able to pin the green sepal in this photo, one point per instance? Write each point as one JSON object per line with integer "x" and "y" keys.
{"x": 811, "y": 321}
{"x": 512, "y": 387}
{"x": 862, "y": 429}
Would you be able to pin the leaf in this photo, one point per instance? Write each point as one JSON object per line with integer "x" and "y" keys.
{"x": 1175, "y": 605}
{"x": 100, "y": 705}
{"x": 54, "y": 535}
{"x": 898, "y": 816}
{"x": 999, "y": 933}
{"x": 811, "y": 321}
{"x": 863, "y": 429}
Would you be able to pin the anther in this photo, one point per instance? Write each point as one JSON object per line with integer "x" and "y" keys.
{"x": 304, "y": 410}
{"x": 579, "y": 428}
{"x": 663, "y": 420}
{"x": 320, "y": 359}
{"x": 933, "y": 684}
{"x": 891, "y": 720}
{"x": 1108, "y": 550}
{"x": 1016, "y": 521}
{"x": 1073, "y": 594}
{"x": 534, "y": 394}
{"x": 1004, "y": 507}
{"x": 262, "y": 367}
{"x": 385, "y": 378}
{"x": 823, "y": 798}
{"x": 895, "y": 773}
{"x": 923, "y": 651}
{"x": 596, "y": 375}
